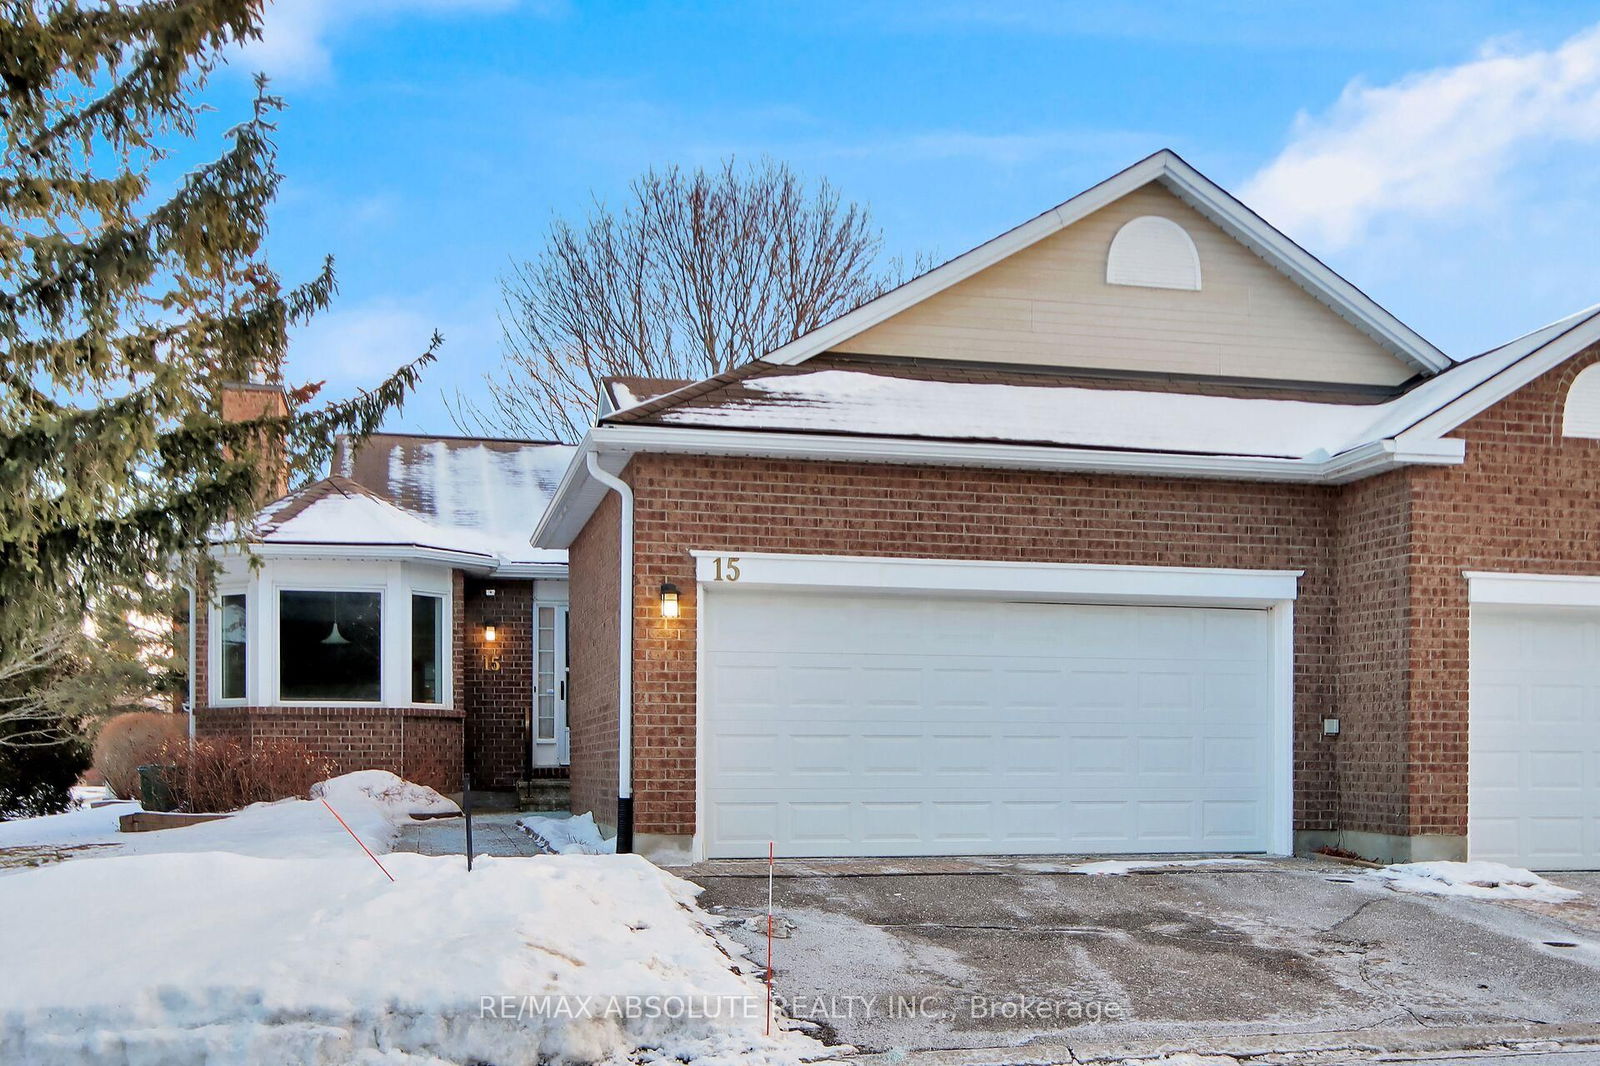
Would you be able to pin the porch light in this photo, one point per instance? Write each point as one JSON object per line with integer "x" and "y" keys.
{"x": 489, "y": 632}
{"x": 669, "y": 600}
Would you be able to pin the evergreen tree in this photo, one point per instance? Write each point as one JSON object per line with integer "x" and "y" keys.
{"x": 125, "y": 303}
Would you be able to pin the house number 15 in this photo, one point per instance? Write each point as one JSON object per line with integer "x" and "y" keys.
{"x": 726, "y": 569}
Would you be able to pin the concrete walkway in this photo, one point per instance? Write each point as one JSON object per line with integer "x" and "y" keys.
{"x": 494, "y": 833}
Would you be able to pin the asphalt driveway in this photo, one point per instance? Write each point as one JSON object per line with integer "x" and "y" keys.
{"x": 1017, "y": 953}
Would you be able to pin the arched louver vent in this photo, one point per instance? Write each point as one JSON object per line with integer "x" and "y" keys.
{"x": 1583, "y": 405}
{"x": 1155, "y": 253}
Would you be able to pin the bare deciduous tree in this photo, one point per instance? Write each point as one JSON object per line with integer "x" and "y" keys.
{"x": 699, "y": 273}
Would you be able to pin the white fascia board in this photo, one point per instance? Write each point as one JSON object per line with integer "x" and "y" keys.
{"x": 1479, "y": 399}
{"x": 1382, "y": 455}
{"x": 1189, "y": 185}
{"x": 1035, "y": 582}
{"x": 403, "y": 552}
{"x": 1532, "y": 590}
{"x": 578, "y": 495}
{"x": 520, "y": 571}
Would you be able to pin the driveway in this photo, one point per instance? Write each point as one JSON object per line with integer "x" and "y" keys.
{"x": 1012, "y": 953}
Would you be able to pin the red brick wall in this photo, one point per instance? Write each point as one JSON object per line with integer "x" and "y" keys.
{"x": 728, "y": 504}
{"x": 1526, "y": 500}
{"x": 592, "y": 668}
{"x": 1369, "y": 761}
{"x": 421, "y": 744}
{"x": 1382, "y": 624}
{"x": 498, "y": 680}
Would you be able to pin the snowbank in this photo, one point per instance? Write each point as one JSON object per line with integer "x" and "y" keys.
{"x": 397, "y": 797}
{"x": 577, "y": 835}
{"x": 1476, "y": 880}
{"x": 375, "y": 803}
{"x": 1118, "y": 867}
{"x": 224, "y": 958}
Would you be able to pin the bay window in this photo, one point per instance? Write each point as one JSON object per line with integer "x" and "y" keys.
{"x": 330, "y": 646}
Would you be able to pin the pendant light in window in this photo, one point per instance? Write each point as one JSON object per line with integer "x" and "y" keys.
{"x": 334, "y": 636}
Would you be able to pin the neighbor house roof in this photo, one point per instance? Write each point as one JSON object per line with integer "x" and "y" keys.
{"x": 468, "y": 501}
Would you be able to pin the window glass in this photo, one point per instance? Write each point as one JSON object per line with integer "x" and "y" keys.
{"x": 545, "y": 719}
{"x": 427, "y": 633}
{"x": 330, "y": 645}
{"x": 235, "y": 623}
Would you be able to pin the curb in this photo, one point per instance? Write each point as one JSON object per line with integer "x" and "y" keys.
{"x": 1304, "y": 1045}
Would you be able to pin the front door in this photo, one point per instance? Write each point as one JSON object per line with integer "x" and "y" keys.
{"x": 550, "y": 746}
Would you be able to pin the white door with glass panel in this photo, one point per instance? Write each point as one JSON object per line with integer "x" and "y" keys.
{"x": 550, "y": 747}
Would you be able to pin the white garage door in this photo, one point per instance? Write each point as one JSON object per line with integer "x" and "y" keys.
{"x": 882, "y": 725}
{"x": 1534, "y": 742}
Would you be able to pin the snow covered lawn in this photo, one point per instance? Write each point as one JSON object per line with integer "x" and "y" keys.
{"x": 374, "y": 802}
{"x": 1476, "y": 880}
{"x": 268, "y": 939}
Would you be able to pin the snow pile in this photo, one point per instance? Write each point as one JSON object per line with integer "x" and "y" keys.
{"x": 397, "y": 797}
{"x": 375, "y": 803}
{"x": 1476, "y": 880}
{"x": 577, "y": 835}
{"x": 266, "y": 961}
{"x": 1118, "y": 867}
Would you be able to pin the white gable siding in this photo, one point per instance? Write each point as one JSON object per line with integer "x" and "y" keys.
{"x": 1050, "y": 305}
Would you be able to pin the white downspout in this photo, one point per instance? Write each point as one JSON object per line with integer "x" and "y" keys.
{"x": 624, "y": 654}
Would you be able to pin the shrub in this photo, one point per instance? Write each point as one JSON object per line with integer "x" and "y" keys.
{"x": 224, "y": 775}
{"x": 132, "y": 740}
{"x": 36, "y": 780}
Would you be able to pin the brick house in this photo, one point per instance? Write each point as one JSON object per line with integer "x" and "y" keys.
{"x": 397, "y": 616}
{"x": 1135, "y": 529}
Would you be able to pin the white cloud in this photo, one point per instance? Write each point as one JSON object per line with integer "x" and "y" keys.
{"x": 296, "y": 34}
{"x": 1437, "y": 144}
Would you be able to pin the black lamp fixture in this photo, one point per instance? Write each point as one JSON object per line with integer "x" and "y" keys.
{"x": 669, "y": 600}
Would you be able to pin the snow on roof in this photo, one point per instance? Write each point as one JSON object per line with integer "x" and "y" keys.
{"x": 481, "y": 497}
{"x": 497, "y": 490}
{"x": 337, "y": 511}
{"x": 859, "y": 402}
{"x": 852, "y": 399}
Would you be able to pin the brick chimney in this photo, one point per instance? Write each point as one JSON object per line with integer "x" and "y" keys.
{"x": 244, "y": 401}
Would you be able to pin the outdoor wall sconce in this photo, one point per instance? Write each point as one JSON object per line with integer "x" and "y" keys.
{"x": 489, "y": 633}
{"x": 669, "y": 600}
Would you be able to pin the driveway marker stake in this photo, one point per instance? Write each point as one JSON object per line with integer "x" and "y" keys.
{"x": 357, "y": 839}
{"x": 770, "y": 861}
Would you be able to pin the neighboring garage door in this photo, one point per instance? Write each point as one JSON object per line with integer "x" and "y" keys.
{"x": 914, "y": 725}
{"x": 1534, "y": 742}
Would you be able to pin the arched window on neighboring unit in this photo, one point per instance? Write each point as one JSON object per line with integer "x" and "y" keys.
{"x": 1155, "y": 253}
{"x": 1583, "y": 405}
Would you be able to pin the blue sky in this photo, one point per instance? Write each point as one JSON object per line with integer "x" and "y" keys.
{"x": 1440, "y": 155}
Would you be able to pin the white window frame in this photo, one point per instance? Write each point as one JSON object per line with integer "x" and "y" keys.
{"x": 214, "y": 625}
{"x": 1169, "y": 586}
{"x": 441, "y": 648}
{"x": 396, "y": 581}
{"x": 385, "y": 646}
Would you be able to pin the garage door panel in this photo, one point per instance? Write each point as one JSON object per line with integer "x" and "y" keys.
{"x": 1534, "y": 742}
{"x": 1078, "y": 729}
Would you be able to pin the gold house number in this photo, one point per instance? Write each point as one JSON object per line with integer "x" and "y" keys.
{"x": 726, "y": 569}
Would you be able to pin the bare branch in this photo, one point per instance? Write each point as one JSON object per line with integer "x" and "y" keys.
{"x": 700, "y": 272}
